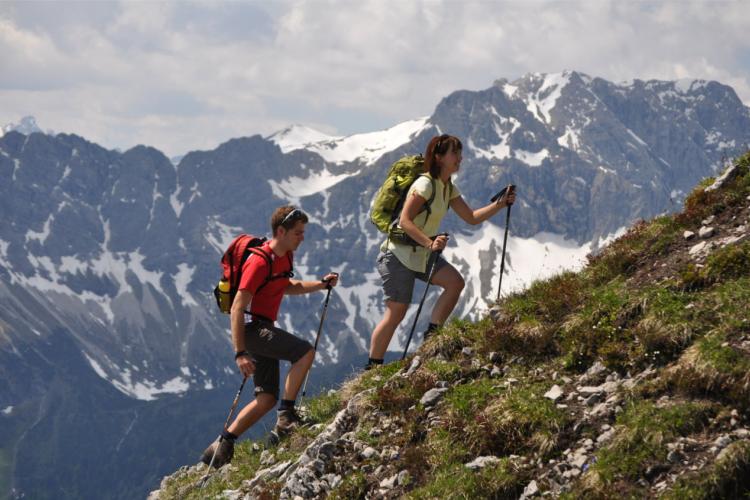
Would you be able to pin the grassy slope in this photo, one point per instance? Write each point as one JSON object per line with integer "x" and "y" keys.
{"x": 642, "y": 306}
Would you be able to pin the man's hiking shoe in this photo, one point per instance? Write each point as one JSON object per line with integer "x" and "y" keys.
{"x": 286, "y": 421}
{"x": 273, "y": 439}
{"x": 224, "y": 449}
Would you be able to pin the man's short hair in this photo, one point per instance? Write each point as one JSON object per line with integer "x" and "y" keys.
{"x": 286, "y": 217}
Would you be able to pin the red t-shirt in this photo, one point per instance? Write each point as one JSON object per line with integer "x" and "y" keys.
{"x": 255, "y": 272}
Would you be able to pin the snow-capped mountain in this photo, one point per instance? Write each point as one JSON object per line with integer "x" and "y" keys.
{"x": 108, "y": 259}
{"x": 26, "y": 126}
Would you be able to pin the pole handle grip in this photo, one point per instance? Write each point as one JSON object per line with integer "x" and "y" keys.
{"x": 511, "y": 187}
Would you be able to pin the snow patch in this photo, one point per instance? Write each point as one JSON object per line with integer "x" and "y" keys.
{"x": 531, "y": 159}
{"x": 570, "y": 139}
{"x": 41, "y": 236}
{"x": 638, "y": 139}
{"x": 366, "y": 147}
{"x": 553, "y": 85}
{"x": 177, "y": 206}
{"x": 224, "y": 237}
{"x": 181, "y": 281}
{"x": 294, "y": 188}
{"x": 7, "y": 410}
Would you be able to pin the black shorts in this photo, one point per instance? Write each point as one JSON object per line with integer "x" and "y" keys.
{"x": 267, "y": 345}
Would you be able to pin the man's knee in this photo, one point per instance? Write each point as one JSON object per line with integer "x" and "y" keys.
{"x": 265, "y": 401}
{"x": 307, "y": 357}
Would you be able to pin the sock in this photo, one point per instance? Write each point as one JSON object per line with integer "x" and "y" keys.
{"x": 286, "y": 404}
{"x": 228, "y": 436}
{"x": 372, "y": 362}
{"x": 430, "y": 328}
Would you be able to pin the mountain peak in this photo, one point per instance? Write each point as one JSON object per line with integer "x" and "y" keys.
{"x": 26, "y": 126}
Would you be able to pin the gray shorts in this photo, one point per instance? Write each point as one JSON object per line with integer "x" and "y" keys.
{"x": 268, "y": 344}
{"x": 398, "y": 280}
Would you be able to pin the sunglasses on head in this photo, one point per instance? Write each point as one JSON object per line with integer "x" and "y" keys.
{"x": 291, "y": 216}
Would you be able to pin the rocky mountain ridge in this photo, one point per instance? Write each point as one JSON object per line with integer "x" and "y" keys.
{"x": 533, "y": 401}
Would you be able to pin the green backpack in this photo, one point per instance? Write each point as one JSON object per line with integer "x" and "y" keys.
{"x": 390, "y": 198}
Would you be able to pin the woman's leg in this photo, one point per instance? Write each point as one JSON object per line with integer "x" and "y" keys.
{"x": 381, "y": 336}
{"x": 452, "y": 284}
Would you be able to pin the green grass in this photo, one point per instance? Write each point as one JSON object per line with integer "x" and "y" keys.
{"x": 728, "y": 477}
{"x": 353, "y": 486}
{"x": 324, "y": 407}
{"x": 455, "y": 481}
{"x": 643, "y": 432}
{"x": 444, "y": 370}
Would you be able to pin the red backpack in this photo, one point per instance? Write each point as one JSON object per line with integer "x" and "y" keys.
{"x": 232, "y": 261}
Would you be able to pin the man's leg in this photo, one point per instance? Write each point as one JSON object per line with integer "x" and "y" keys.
{"x": 296, "y": 375}
{"x": 221, "y": 451}
{"x": 383, "y": 332}
{"x": 252, "y": 412}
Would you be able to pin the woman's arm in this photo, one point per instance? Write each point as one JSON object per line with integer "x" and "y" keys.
{"x": 412, "y": 206}
{"x": 480, "y": 215}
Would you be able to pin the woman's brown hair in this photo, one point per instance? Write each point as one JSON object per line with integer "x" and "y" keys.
{"x": 439, "y": 145}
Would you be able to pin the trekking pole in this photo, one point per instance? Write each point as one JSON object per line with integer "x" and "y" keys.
{"x": 317, "y": 337}
{"x": 421, "y": 302}
{"x": 499, "y": 195}
{"x": 226, "y": 425}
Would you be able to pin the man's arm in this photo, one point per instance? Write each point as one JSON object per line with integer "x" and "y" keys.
{"x": 298, "y": 287}
{"x": 237, "y": 321}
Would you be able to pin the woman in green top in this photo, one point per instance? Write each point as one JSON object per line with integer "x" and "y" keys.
{"x": 400, "y": 263}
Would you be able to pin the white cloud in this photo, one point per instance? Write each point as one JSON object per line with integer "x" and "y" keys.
{"x": 182, "y": 76}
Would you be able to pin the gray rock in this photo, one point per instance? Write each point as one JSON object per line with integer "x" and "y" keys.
{"x": 467, "y": 351}
{"x": 688, "y": 235}
{"x": 326, "y": 451}
{"x": 723, "y": 441}
{"x": 728, "y": 175}
{"x": 415, "y": 362}
{"x": 532, "y": 489}
{"x": 333, "y": 480}
{"x": 318, "y": 467}
{"x": 495, "y": 357}
{"x": 605, "y": 437}
{"x": 554, "y": 393}
{"x": 496, "y": 372}
{"x": 431, "y": 397}
{"x": 496, "y": 313}
{"x": 369, "y": 452}
{"x": 741, "y": 433}
{"x": 596, "y": 369}
{"x": 706, "y": 232}
{"x": 267, "y": 458}
{"x": 675, "y": 457}
{"x": 698, "y": 249}
{"x": 231, "y": 495}
{"x": 404, "y": 478}
{"x": 594, "y": 399}
{"x": 482, "y": 462}
{"x": 589, "y": 390}
{"x": 579, "y": 460}
{"x": 389, "y": 483}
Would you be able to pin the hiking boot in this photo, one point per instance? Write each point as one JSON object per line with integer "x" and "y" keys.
{"x": 224, "y": 449}
{"x": 286, "y": 421}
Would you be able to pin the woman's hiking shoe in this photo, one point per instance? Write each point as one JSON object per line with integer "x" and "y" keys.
{"x": 286, "y": 421}
{"x": 224, "y": 449}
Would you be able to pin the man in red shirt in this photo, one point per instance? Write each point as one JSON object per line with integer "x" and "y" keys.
{"x": 258, "y": 344}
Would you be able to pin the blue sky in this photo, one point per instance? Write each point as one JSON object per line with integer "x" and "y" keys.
{"x": 181, "y": 76}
